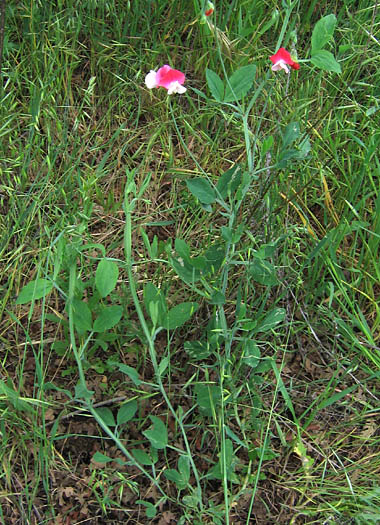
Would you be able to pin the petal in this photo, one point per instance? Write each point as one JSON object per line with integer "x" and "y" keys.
{"x": 285, "y": 57}
{"x": 281, "y": 54}
{"x": 280, "y": 65}
{"x": 151, "y": 79}
{"x": 175, "y": 87}
{"x": 166, "y": 75}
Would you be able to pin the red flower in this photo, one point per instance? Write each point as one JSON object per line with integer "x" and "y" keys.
{"x": 282, "y": 59}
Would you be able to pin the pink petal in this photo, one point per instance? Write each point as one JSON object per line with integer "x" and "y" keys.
{"x": 280, "y": 65}
{"x": 166, "y": 75}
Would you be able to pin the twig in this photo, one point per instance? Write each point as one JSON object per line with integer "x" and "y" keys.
{"x": 81, "y": 410}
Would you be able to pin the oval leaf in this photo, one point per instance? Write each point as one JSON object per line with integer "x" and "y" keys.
{"x": 106, "y": 277}
{"x": 326, "y": 61}
{"x": 108, "y": 318}
{"x": 201, "y": 189}
{"x": 178, "y": 315}
{"x": 34, "y": 290}
{"x": 142, "y": 457}
{"x": 263, "y": 272}
{"x": 101, "y": 458}
{"x": 323, "y": 32}
{"x": 82, "y": 317}
{"x": 157, "y": 434}
{"x": 126, "y": 412}
{"x": 272, "y": 319}
{"x": 106, "y": 415}
{"x": 240, "y": 83}
{"x": 215, "y": 85}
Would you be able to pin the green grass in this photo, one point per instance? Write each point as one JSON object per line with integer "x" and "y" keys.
{"x": 266, "y": 383}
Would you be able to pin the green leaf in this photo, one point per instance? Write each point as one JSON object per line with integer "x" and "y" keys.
{"x": 322, "y": 33}
{"x": 130, "y": 372}
{"x": 273, "y": 318}
{"x": 184, "y": 467}
{"x": 178, "y": 315}
{"x": 182, "y": 248}
{"x": 150, "y": 509}
{"x": 34, "y": 290}
{"x": 215, "y": 255}
{"x": 197, "y": 350}
{"x": 208, "y": 398}
{"x": 142, "y": 457}
{"x": 291, "y": 133}
{"x": 181, "y": 478}
{"x": 326, "y": 61}
{"x": 267, "y": 144}
{"x": 251, "y": 356}
{"x": 157, "y": 434}
{"x": 155, "y": 303}
{"x": 82, "y": 317}
{"x": 11, "y": 395}
{"x": 164, "y": 363}
{"x": 173, "y": 475}
{"x": 106, "y": 415}
{"x": 215, "y": 85}
{"x": 126, "y": 412}
{"x": 233, "y": 235}
{"x": 108, "y": 318}
{"x": 101, "y": 458}
{"x": 218, "y": 298}
{"x": 229, "y": 181}
{"x": 240, "y": 83}
{"x": 106, "y": 277}
{"x": 230, "y": 460}
{"x": 263, "y": 272}
{"x": 185, "y": 271}
{"x": 201, "y": 189}
{"x": 82, "y": 392}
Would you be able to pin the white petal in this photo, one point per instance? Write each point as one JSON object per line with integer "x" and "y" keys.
{"x": 176, "y": 87}
{"x": 150, "y": 79}
{"x": 281, "y": 64}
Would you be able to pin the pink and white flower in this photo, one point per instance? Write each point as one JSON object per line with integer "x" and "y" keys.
{"x": 282, "y": 59}
{"x": 170, "y": 79}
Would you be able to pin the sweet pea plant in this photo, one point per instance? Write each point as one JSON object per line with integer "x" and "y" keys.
{"x": 230, "y": 342}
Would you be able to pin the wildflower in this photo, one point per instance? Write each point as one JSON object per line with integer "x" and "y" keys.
{"x": 209, "y": 9}
{"x": 166, "y": 77}
{"x": 282, "y": 59}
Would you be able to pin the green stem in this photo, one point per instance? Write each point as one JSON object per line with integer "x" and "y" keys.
{"x": 128, "y": 207}
{"x": 88, "y": 404}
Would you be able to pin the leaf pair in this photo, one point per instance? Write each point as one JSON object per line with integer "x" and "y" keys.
{"x": 322, "y": 34}
{"x": 155, "y": 304}
{"x": 236, "y": 86}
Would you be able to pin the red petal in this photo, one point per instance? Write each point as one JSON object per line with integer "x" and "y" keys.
{"x": 166, "y": 75}
{"x": 284, "y": 55}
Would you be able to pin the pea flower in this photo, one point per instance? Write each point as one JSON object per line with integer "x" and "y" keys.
{"x": 166, "y": 77}
{"x": 282, "y": 59}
